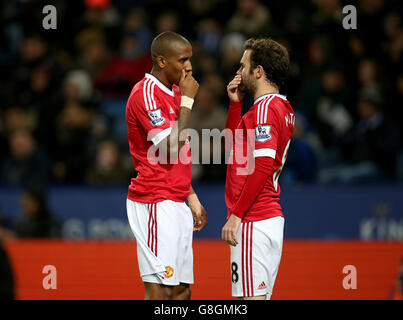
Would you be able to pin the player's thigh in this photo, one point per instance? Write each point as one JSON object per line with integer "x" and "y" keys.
{"x": 255, "y": 260}
{"x": 185, "y": 255}
{"x": 181, "y": 292}
{"x": 158, "y": 291}
{"x": 157, "y": 235}
{"x": 173, "y": 235}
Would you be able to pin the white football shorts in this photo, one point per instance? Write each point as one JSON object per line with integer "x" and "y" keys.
{"x": 164, "y": 234}
{"x": 256, "y": 258}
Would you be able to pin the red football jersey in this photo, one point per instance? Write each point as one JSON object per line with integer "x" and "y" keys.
{"x": 264, "y": 131}
{"x": 151, "y": 112}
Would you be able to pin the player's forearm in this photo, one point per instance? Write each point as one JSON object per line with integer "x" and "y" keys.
{"x": 177, "y": 138}
{"x": 192, "y": 195}
{"x": 233, "y": 118}
{"x": 253, "y": 186}
{"x": 234, "y": 115}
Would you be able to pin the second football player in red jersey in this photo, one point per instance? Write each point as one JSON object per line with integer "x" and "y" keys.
{"x": 255, "y": 221}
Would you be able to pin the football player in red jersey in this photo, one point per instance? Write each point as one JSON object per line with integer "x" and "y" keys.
{"x": 255, "y": 221}
{"x": 157, "y": 116}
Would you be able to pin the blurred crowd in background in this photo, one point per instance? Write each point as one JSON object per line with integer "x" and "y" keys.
{"x": 63, "y": 92}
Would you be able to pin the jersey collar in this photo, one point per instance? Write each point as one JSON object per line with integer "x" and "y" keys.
{"x": 159, "y": 84}
{"x": 270, "y": 94}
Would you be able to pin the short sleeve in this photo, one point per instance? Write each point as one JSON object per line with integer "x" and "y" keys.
{"x": 152, "y": 116}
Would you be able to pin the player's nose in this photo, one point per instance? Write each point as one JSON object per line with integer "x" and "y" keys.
{"x": 188, "y": 68}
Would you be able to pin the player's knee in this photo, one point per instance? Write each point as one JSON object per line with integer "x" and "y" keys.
{"x": 182, "y": 293}
{"x": 168, "y": 293}
{"x": 187, "y": 293}
{"x": 155, "y": 291}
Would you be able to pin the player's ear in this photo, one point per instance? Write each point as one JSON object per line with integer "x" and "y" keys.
{"x": 259, "y": 72}
{"x": 162, "y": 62}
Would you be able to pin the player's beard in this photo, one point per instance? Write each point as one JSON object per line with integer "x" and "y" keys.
{"x": 248, "y": 85}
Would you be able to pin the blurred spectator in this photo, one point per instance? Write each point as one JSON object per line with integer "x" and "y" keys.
{"x": 201, "y": 8}
{"x": 100, "y": 13}
{"x": 167, "y": 21}
{"x": 376, "y": 137}
{"x": 130, "y": 62}
{"x": 6, "y": 226}
{"x": 93, "y": 52}
{"x": 32, "y": 72}
{"x": 251, "y": 19}
{"x": 73, "y": 138}
{"x": 301, "y": 160}
{"x": 393, "y": 42}
{"x": 78, "y": 86}
{"x": 6, "y": 276}
{"x": 370, "y": 17}
{"x": 318, "y": 58}
{"x": 135, "y": 24}
{"x": 26, "y": 163}
{"x": 370, "y": 148}
{"x": 217, "y": 86}
{"x": 328, "y": 16}
{"x": 231, "y": 50}
{"x": 18, "y": 118}
{"x": 369, "y": 77}
{"x": 395, "y": 101}
{"x": 326, "y": 102}
{"x": 109, "y": 166}
{"x": 209, "y": 35}
{"x": 208, "y": 115}
{"x": 36, "y": 220}
{"x": 396, "y": 293}
{"x": 123, "y": 70}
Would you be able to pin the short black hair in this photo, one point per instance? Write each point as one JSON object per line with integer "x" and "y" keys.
{"x": 164, "y": 42}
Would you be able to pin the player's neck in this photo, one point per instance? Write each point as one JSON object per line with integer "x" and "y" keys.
{"x": 265, "y": 88}
{"x": 161, "y": 77}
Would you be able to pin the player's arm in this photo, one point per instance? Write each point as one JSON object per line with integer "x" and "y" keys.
{"x": 251, "y": 189}
{"x": 198, "y": 211}
{"x": 253, "y": 185}
{"x": 173, "y": 143}
{"x": 264, "y": 155}
{"x": 234, "y": 112}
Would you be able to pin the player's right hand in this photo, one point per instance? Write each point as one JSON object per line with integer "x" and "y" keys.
{"x": 188, "y": 85}
{"x": 234, "y": 94}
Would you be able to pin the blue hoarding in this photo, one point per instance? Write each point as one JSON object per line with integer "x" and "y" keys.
{"x": 337, "y": 212}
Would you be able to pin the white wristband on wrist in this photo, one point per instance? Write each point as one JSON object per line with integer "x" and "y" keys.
{"x": 187, "y": 102}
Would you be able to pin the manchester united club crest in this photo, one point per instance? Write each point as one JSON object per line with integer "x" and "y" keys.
{"x": 169, "y": 272}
